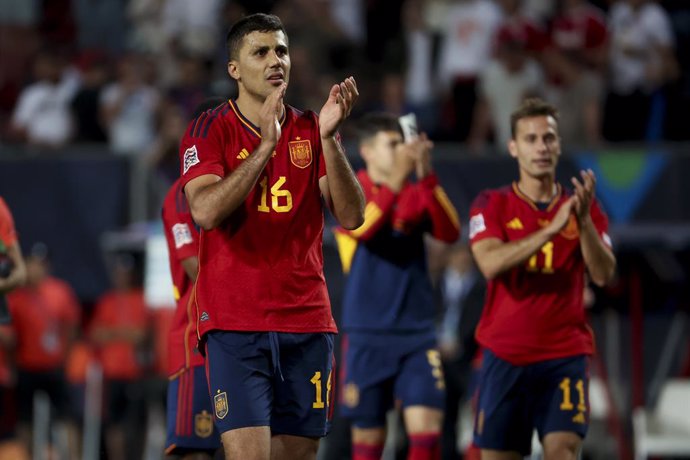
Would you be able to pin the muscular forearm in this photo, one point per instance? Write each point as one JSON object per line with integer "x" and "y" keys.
{"x": 495, "y": 257}
{"x": 599, "y": 260}
{"x": 213, "y": 203}
{"x": 347, "y": 198}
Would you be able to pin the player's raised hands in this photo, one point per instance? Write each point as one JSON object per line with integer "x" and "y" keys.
{"x": 560, "y": 220}
{"x": 420, "y": 150}
{"x": 269, "y": 115}
{"x": 338, "y": 106}
{"x": 584, "y": 193}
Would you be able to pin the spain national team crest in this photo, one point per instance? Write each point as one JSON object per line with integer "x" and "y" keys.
{"x": 203, "y": 424}
{"x": 351, "y": 395}
{"x": 220, "y": 402}
{"x": 300, "y": 152}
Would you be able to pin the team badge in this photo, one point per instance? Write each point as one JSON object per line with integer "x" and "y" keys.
{"x": 351, "y": 395}
{"x": 203, "y": 424}
{"x": 191, "y": 158}
{"x": 300, "y": 153}
{"x": 477, "y": 225}
{"x": 182, "y": 235}
{"x": 220, "y": 402}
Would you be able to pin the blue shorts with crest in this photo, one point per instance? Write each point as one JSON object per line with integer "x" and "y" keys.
{"x": 274, "y": 379}
{"x": 190, "y": 417}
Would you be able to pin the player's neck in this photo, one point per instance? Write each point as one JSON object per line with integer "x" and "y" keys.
{"x": 250, "y": 108}
{"x": 541, "y": 189}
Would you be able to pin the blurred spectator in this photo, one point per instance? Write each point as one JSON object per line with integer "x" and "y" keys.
{"x": 118, "y": 330}
{"x": 462, "y": 290}
{"x": 528, "y": 30}
{"x": 86, "y": 102}
{"x": 128, "y": 108}
{"x": 41, "y": 116}
{"x": 190, "y": 89}
{"x": 192, "y": 27}
{"x": 509, "y": 78}
{"x": 100, "y": 24}
{"x": 164, "y": 156}
{"x": 81, "y": 356}
{"x": 45, "y": 318}
{"x": 419, "y": 84}
{"x": 642, "y": 61}
{"x": 575, "y": 63}
{"x": 470, "y": 26}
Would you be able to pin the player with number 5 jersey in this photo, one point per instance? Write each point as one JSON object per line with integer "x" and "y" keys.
{"x": 536, "y": 243}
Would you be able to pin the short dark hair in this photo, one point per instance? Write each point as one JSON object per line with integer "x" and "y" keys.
{"x": 258, "y": 22}
{"x": 373, "y": 123}
{"x": 532, "y": 107}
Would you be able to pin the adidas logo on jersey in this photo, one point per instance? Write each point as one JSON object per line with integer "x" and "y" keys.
{"x": 515, "y": 224}
{"x": 204, "y": 316}
{"x": 243, "y": 154}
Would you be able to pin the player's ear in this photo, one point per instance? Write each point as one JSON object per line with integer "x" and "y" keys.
{"x": 365, "y": 152}
{"x": 233, "y": 71}
{"x": 512, "y": 148}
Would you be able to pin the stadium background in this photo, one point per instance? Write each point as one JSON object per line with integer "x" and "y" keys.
{"x": 89, "y": 196}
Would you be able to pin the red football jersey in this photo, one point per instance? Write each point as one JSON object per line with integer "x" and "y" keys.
{"x": 183, "y": 242}
{"x": 534, "y": 311}
{"x": 8, "y": 234}
{"x": 261, "y": 269}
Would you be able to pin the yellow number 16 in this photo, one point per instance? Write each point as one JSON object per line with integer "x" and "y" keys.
{"x": 276, "y": 194}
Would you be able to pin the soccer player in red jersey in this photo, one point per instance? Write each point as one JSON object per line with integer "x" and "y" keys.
{"x": 388, "y": 305}
{"x": 190, "y": 425}
{"x": 256, "y": 172}
{"x": 536, "y": 243}
{"x": 12, "y": 274}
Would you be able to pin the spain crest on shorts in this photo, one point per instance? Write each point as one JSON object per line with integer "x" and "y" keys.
{"x": 203, "y": 424}
{"x": 220, "y": 402}
{"x": 300, "y": 152}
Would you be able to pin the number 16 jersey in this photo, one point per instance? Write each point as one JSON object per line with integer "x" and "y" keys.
{"x": 262, "y": 268}
{"x": 534, "y": 311}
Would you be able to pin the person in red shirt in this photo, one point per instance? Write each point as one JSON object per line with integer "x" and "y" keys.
{"x": 256, "y": 173}
{"x": 12, "y": 275}
{"x": 536, "y": 243}
{"x": 190, "y": 424}
{"x": 45, "y": 316}
{"x": 117, "y": 331}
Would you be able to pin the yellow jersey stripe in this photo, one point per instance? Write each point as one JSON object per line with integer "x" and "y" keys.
{"x": 447, "y": 206}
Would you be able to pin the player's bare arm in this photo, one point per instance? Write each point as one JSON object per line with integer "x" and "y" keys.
{"x": 17, "y": 276}
{"x": 598, "y": 257}
{"x": 494, "y": 256}
{"x": 340, "y": 187}
{"x": 212, "y": 198}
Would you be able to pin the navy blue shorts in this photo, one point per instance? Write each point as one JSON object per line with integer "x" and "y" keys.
{"x": 382, "y": 369}
{"x": 514, "y": 400}
{"x": 190, "y": 419}
{"x": 271, "y": 379}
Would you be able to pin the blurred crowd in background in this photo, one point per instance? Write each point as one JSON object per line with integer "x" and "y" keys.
{"x": 128, "y": 74}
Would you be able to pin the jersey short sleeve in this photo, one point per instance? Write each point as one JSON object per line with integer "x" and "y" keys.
{"x": 201, "y": 149}
{"x": 601, "y": 222}
{"x": 484, "y": 218}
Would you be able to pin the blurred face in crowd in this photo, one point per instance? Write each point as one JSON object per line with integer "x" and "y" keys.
{"x": 48, "y": 67}
{"x": 379, "y": 151}
{"x": 536, "y": 146}
{"x": 262, "y": 63}
{"x": 37, "y": 270}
